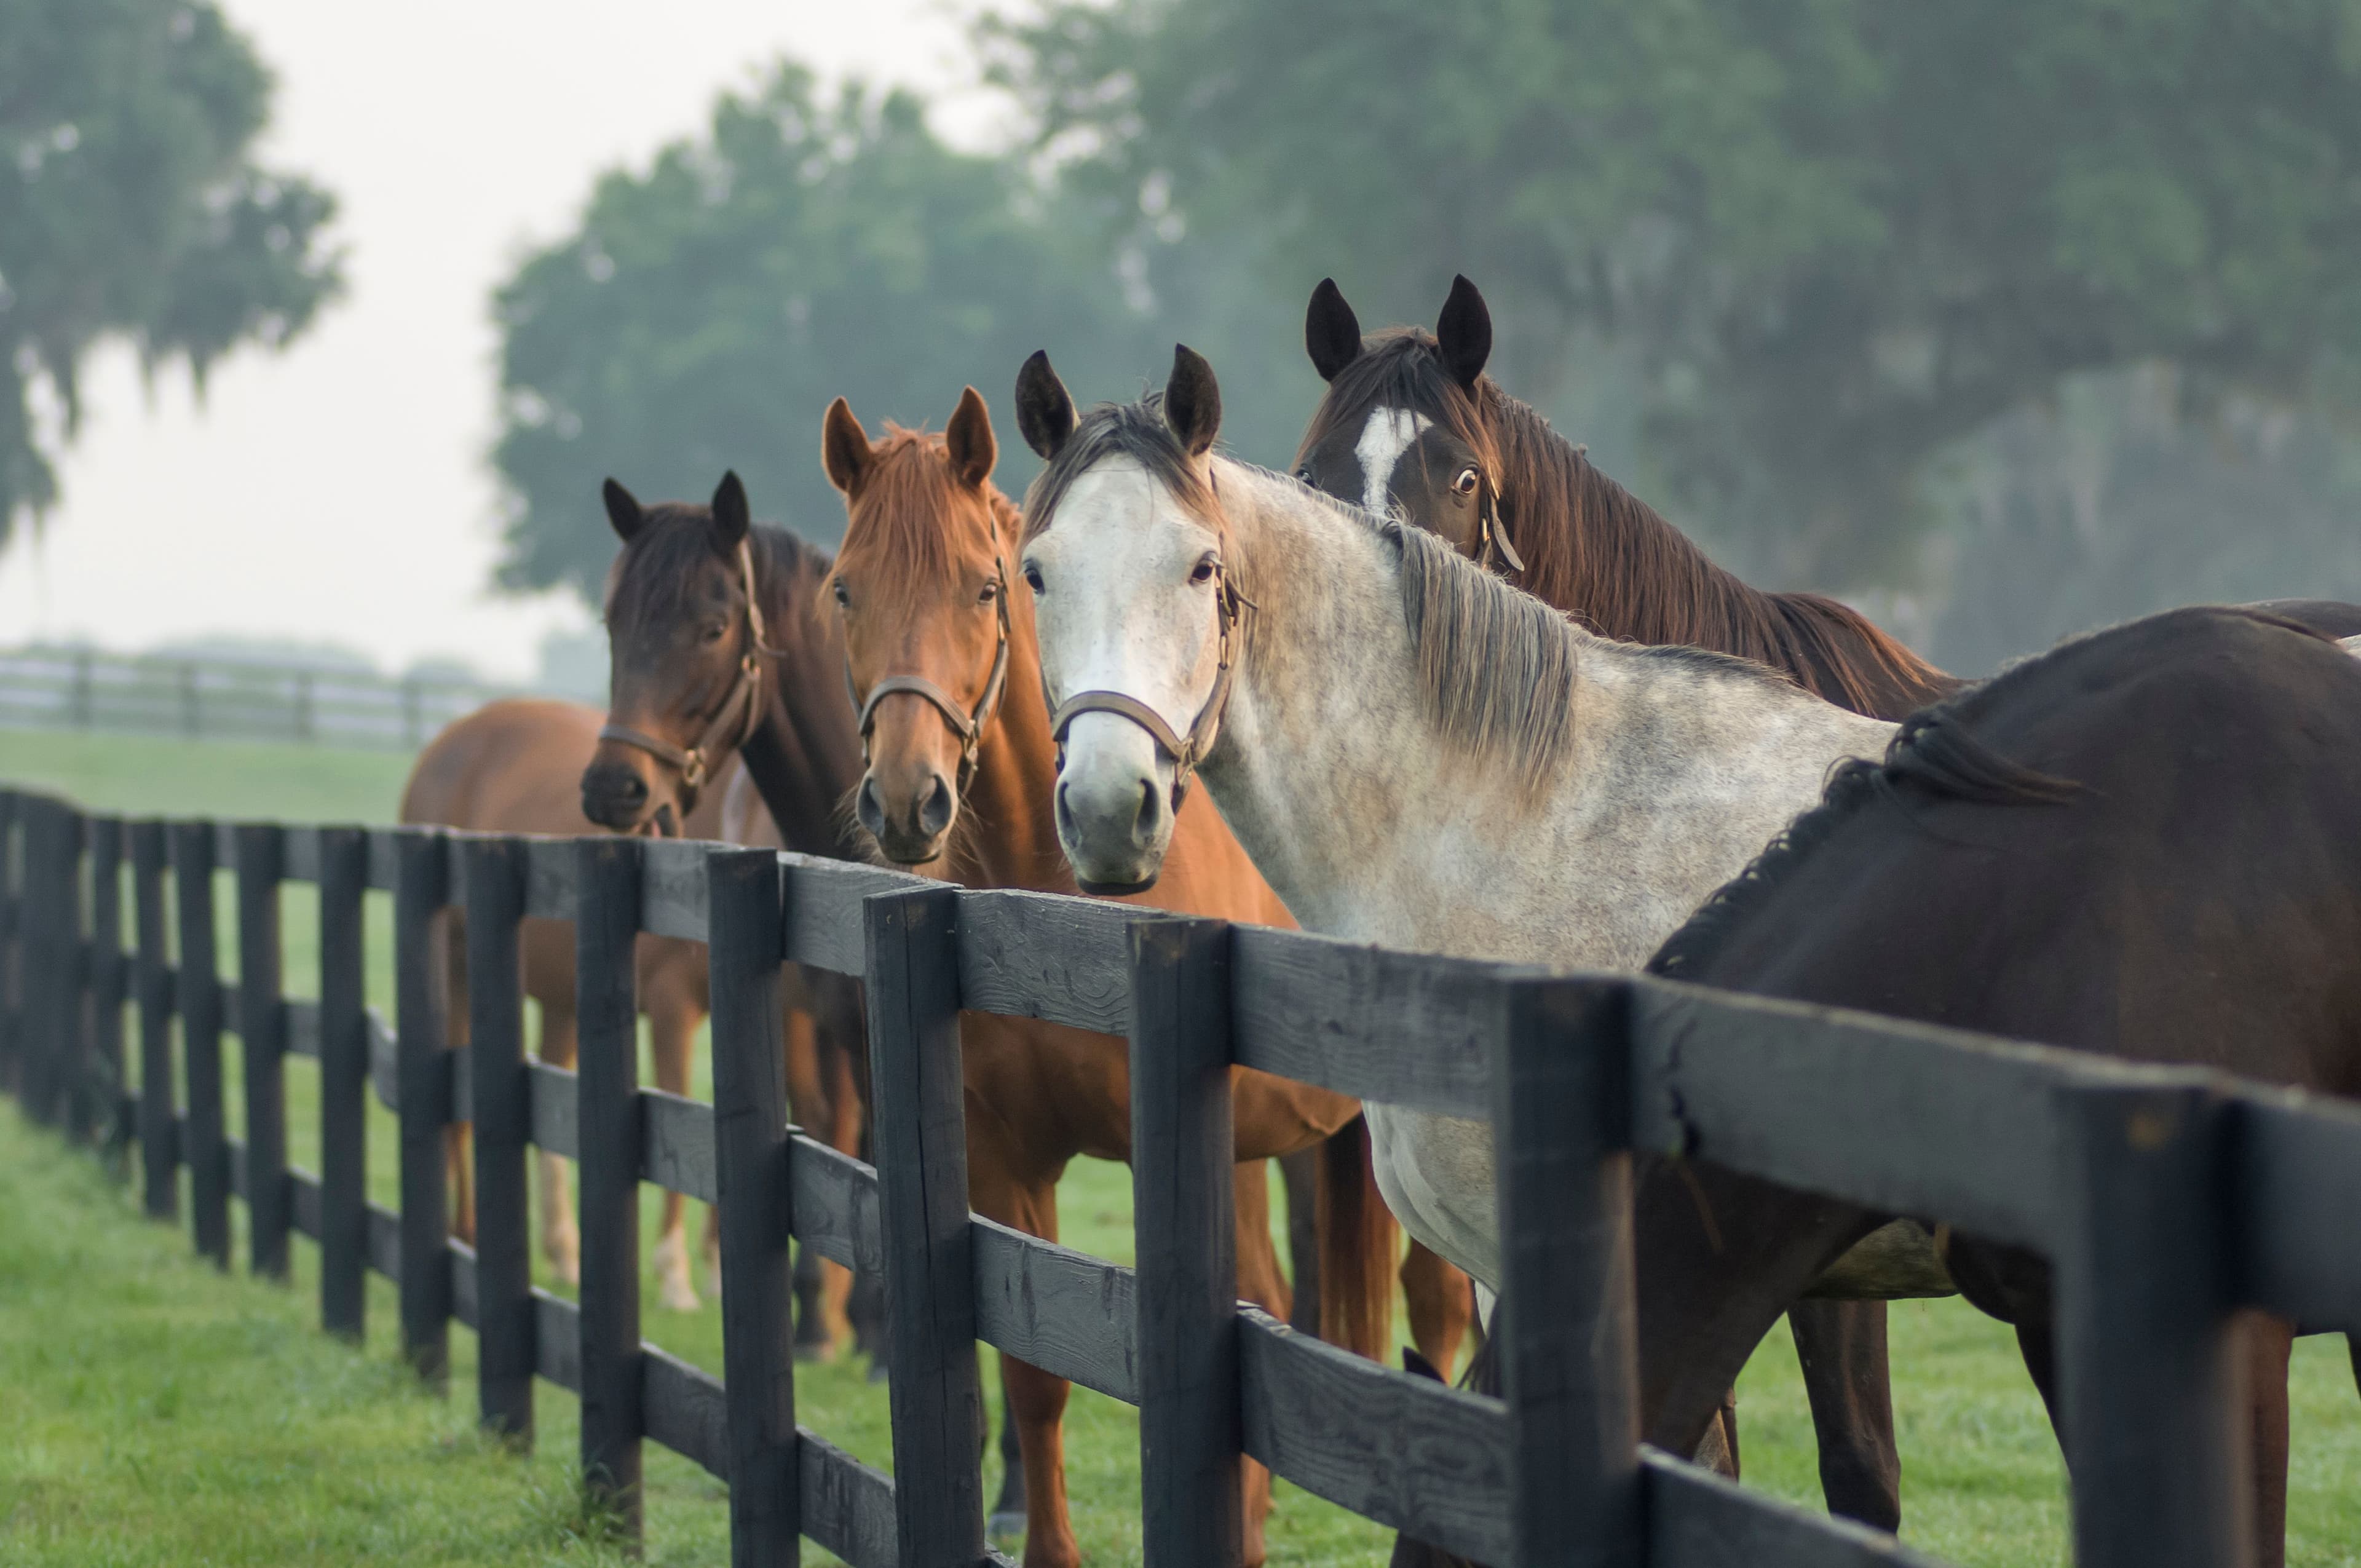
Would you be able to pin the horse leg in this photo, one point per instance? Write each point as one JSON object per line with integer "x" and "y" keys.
{"x": 1299, "y": 1173}
{"x": 1442, "y": 1302}
{"x": 561, "y": 1241}
{"x": 999, "y": 1188}
{"x": 1841, "y": 1346}
{"x": 1008, "y": 1516}
{"x": 820, "y": 1285}
{"x": 459, "y": 1170}
{"x": 840, "y": 1081}
{"x": 450, "y": 977}
{"x": 672, "y": 1040}
{"x": 2269, "y": 1341}
{"x": 1260, "y": 1282}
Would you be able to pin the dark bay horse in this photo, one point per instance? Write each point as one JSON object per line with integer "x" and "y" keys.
{"x": 1411, "y": 423}
{"x": 713, "y": 637}
{"x": 961, "y": 781}
{"x": 2192, "y": 896}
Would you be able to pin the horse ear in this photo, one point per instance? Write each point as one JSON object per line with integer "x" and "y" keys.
{"x": 844, "y": 448}
{"x": 1045, "y": 413}
{"x": 969, "y": 435}
{"x": 730, "y": 517}
{"x": 1192, "y": 401}
{"x": 1332, "y": 334}
{"x": 623, "y": 511}
{"x": 1465, "y": 332}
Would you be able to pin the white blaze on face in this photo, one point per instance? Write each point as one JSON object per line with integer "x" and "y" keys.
{"x": 1390, "y": 434}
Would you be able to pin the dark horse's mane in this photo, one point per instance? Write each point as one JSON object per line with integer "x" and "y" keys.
{"x": 1615, "y": 565}
{"x": 649, "y": 584}
{"x": 1934, "y": 756}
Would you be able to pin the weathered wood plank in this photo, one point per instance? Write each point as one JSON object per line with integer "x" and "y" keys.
{"x": 836, "y": 1206}
{"x": 461, "y": 1261}
{"x": 385, "y": 1242}
{"x": 847, "y": 1508}
{"x": 557, "y": 1340}
{"x": 1182, "y": 1148}
{"x": 677, "y": 1144}
{"x": 824, "y": 919}
{"x": 158, "y": 1145}
{"x": 749, "y": 1124}
{"x": 685, "y": 1409}
{"x": 225, "y": 838}
{"x": 672, "y": 888}
{"x": 422, "y": 1067}
{"x": 200, "y": 1006}
{"x": 304, "y": 1200}
{"x": 1406, "y": 1452}
{"x": 261, "y": 1020}
{"x": 1567, "y": 1333}
{"x": 616, "y": 1382}
{"x": 1696, "y": 1520}
{"x": 341, "y": 1023}
{"x": 299, "y": 854}
{"x": 299, "y": 1026}
{"x": 920, "y": 1135}
{"x": 503, "y": 1117}
{"x": 384, "y": 1062}
{"x": 554, "y": 1095}
{"x": 2296, "y": 1163}
{"x": 549, "y": 877}
{"x": 1400, "y": 1028}
{"x": 384, "y": 859}
{"x": 1036, "y": 955}
{"x": 1061, "y": 1311}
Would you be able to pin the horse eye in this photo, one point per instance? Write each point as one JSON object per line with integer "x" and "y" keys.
{"x": 1465, "y": 483}
{"x": 1305, "y": 474}
{"x": 1204, "y": 572}
{"x": 1033, "y": 578}
{"x": 991, "y": 592}
{"x": 843, "y": 596}
{"x": 715, "y": 630}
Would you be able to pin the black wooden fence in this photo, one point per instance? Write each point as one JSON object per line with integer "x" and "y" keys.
{"x": 2168, "y": 1199}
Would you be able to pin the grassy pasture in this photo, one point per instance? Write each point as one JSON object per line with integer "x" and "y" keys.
{"x": 159, "y": 1412}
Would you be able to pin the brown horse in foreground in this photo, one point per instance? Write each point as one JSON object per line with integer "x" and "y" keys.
{"x": 961, "y": 778}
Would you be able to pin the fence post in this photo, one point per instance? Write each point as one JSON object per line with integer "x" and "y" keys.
{"x": 2147, "y": 1359}
{"x": 12, "y": 925}
{"x": 744, "y": 934}
{"x": 1182, "y": 1148}
{"x": 105, "y": 1083}
{"x": 920, "y": 1138}
{"x": 606, "y": 1010}
{"x": 159, "y": 1150}
{"x": 206, "y": 1151}
{"x": 423, "y": 1074}
{"x": 503, "y": 1126}
{"x": 343, "y": 1083}
{"x": 262, "y": 1030}
{"x": 1566, "y": 1327}
{"x": 45, "y": 950}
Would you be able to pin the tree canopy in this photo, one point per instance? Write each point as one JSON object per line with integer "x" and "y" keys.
{"x": 130, "y": 206}
{"x": 1835, "y": 237}
{"x": 706, "y": 313}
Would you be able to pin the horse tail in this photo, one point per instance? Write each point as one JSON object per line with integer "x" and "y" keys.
{"x": 1358, "y": 1239}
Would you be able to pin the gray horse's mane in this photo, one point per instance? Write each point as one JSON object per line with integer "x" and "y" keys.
{"x": 1499, "y": 667}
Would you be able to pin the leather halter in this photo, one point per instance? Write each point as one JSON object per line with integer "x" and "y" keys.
{"x": 1186, "y": 751}
{"x": 735, "y": 721}
{"x": 968, "y": 724}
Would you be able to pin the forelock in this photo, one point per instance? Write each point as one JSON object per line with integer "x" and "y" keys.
{"x": 1136, "y": 431}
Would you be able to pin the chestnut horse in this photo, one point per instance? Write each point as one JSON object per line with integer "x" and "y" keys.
{"x": 510, "y": 767}
{"x": 960, "y": 774}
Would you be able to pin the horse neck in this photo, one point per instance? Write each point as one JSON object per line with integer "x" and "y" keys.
{"x": 804, "y": 757}
{"x": 1011, "y": 838}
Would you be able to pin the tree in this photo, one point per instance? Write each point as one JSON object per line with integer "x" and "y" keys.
{"x": 1836, "y": 236}
{"x": 707, "y": 311}
{"x": 129, "y": 206}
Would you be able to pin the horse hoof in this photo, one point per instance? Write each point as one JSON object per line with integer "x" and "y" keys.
{"x": 1005, "y": 1527}
{"x": 678, "y": 1295}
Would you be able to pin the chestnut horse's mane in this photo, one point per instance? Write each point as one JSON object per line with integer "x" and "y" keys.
{"x": 1599, "y": 553}
{"x": 901, "y": 538}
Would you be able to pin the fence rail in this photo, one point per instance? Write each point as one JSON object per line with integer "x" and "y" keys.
{"x": 2168, "y": 1199}
{"x": 81, "y": 688}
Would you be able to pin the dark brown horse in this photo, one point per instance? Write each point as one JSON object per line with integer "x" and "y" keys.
{"x": 2194, "y": 898}
{"x": 961, "y": 782}
{"x": 1411, "y": 423}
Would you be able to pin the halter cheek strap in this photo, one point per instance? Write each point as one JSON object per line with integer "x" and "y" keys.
{"x": 968, "y": 724}
{"x": 734, "y": 722}
{"x": 1495, "y": 538}
{"x": 1186, "y": 751}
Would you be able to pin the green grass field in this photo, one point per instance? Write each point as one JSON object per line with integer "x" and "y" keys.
{"x": 159, "y": 1412}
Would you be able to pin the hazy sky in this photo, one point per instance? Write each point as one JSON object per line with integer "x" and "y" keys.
{"x": 341, "y": 490}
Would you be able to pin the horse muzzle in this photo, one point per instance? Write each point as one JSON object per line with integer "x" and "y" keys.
{"x": 1114, "y": 821}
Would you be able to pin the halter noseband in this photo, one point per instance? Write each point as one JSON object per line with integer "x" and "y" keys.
{"x": 734, "y": 722}
{"x": 968, "y": 724}
{"x": 1187, "y": 752}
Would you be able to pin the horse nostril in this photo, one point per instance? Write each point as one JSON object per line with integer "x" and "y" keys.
{"x": 935, "y": 814}
{"x": 870, "y": 808}
{"x": 1151, "y": 811}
